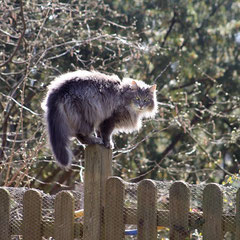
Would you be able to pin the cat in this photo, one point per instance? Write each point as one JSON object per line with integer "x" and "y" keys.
{"x": 91, "y": 106}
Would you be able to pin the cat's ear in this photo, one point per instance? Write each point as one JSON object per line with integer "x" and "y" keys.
{"x": 153, "y": 88}
{"x": 134, "y": 84}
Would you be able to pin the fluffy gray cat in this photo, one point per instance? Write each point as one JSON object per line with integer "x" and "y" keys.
{"x": 91, "y": 106}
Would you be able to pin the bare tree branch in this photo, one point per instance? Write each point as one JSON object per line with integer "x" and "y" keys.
{"x": 19, "y": 39}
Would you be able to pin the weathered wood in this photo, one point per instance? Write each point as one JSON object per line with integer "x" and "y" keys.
{"x": 4, "y": 215}
{"x": 147, "y": 210}
{"x": 114, "y": 209}
{"x": 179, "y": 205}
{"x": 237, "y": 216}
{"x": 98, "y": 167}
{"x": 212, "y": 212}
{"x": 64, "y": 216}
{"x": 32, "y": 215}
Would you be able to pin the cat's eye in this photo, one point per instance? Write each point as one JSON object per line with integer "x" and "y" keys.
{"x": 137, "y": 98}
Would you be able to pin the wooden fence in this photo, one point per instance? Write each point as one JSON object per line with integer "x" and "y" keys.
{"x": 106, "y": 214}
{"x": 179, "y": 219}
{"x": 32, "y": 226}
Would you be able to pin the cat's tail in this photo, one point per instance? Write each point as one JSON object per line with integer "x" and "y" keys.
{"x": 59, "y": 134}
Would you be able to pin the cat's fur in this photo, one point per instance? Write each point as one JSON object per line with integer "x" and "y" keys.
{"x": 91, "y": 106}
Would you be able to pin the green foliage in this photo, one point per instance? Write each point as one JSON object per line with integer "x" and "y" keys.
{"x": 189, "y": 48}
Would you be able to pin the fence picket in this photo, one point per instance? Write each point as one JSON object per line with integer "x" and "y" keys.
{"x": 4, "y": 215}
{"x": 64, "y": 216}
{"x": 212, "y": 212}
{"x": 179, "y": 205}
{"x": 147, "y": 210}
{"x": 114, "y": 210}
{"x": 32, "y": 215}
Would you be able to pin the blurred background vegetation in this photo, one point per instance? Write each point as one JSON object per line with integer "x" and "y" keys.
{"x": 189, "y": 48}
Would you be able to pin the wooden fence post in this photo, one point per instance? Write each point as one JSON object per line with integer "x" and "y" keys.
{"x": 4, "y": 215}
{"x": 147, "y": 210}
{"x": 114, "y": 209}
{"x": 32, "y": 215}
{"x": 64, "y": 216}
{"x": 98, "y": 167}
{"x": 179, "y": 205}
{"x": 212, "y": 212}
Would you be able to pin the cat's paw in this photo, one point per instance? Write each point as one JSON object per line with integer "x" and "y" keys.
{"x": 109, "y": 145}
{"x": 98, "y": 141}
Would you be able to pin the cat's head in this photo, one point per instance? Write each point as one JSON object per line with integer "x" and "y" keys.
{"x": 143, "y": 98}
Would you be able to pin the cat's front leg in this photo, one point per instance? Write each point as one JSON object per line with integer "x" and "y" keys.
{"x": 108, "y": 144}
{"x": 106, "y": 128}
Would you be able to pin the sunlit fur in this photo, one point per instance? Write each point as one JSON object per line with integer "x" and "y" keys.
{"x": 84, "y": 104}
